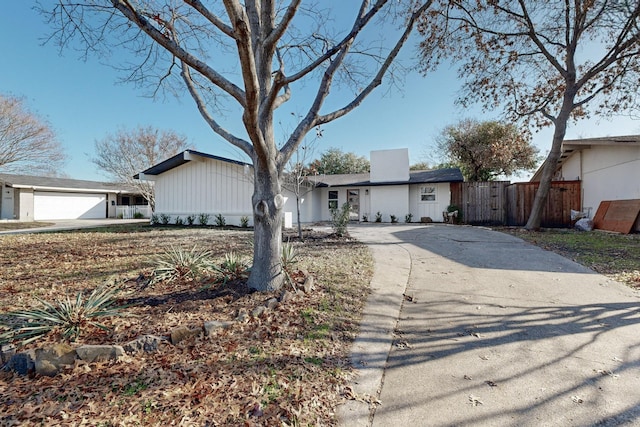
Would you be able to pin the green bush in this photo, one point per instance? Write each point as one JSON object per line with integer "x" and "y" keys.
{"x": 154, "y": 219}
{"x": 179, "y": 221}
{"x": 69, "y": 316}
{"x": 138, "y": 215}
{"x": 220, "y": 220}
{"x": 340, "y": 219}
{"x": 203, "y": 219}
{"x": 365, "y": 218}
{"x": 244, "y": 222}
{"x": 191, "y": 219}
{"x": 378, "y": 217}
{"x": 457, "y": 219}
{"x": 394, "y": 218}
{"x": 408, "y": 217}
{"x": 165, "y": 219}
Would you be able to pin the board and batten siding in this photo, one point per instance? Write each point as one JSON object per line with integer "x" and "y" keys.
{"x": 429, "y": 208}
{"x": 206, "y": 186}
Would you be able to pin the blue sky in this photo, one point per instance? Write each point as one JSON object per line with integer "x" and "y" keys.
{"x": 83, "y": 102}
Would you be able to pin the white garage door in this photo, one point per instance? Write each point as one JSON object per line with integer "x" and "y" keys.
{"x": 50, "y": 205}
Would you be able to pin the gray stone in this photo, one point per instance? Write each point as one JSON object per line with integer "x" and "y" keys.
{"x": 6, "y": 352}
{"x": 61, "y": 354}
{"x": 307, "y": 286}
{"x": 22, "y": 363}
{"x": 182, "y": 333}
{"x": 146, "y": 343}
{"x": 213, "y": 325}
{"x": 46, "y": 368}
{"x": 272, "y": 303}
{"x": 287, "y": 296}
{"x": 584, "y": 224}
{"x": 99, "y": 353}
{"x": 242, "y": 317}
{"x": 258, "y": 311}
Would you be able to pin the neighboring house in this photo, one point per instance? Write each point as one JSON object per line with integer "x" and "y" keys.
{"x": 192, "y": 183}
{"x": 608, "y": 168}
{"x": 35, "y": 198}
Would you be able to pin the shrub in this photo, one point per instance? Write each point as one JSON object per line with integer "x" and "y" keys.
{"x": 154, "y": 219}
{"x": 120, "y": 216}
{"x": 191, "y": 219}
{"x": 164, "y": 219}
{"x": 69, "y": 316}
{"x": 179, "y": 221}
{"x": 244, "y": 222}
{"x": 408, "y": 217}
{"x": 394, "y": 218}
{"x": 138, "y": 215}
{"x": 452, "y": 208}
{"x": 378, "y": 217}
{"x": 340, "y": 219}
{"x": 177, "y": 263}
{"x": 220, "y": 220}
{"x": 365, "y": 218}
{"x": 203, "y": 219}
{"x": 289, "y": 256}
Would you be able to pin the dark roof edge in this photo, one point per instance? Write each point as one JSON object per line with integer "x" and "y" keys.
{"x": 180, "y": 159}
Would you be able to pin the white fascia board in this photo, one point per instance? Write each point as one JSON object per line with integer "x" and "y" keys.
{"x": 67, "y": 189}
{"x": 192, "y": 157}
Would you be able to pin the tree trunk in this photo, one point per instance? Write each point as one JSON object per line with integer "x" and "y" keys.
{"x": 268, "y": 202}
{"x": 549, "y": 166}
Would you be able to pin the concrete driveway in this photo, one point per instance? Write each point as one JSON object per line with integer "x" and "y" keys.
{"x": 471, "y": 327}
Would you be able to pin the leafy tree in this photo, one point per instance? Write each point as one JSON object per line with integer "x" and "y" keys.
{"x": 249, "y": 56}
{"x": 27, "y": 141}
{"x": 334, "y": 161}
{"x": 543, "y": 62}
{"x": 420, "y": 166}
{"x": 485, "y": 150}
{"x": 125, "y": 153}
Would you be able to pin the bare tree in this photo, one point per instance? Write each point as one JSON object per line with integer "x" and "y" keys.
{"x": 125, "y": 153}
{"x": 486, "y": 150}
{"x": 252, "y": 54}
{"x": 27, "y": 142}
{"x": 295, "y": 175}
{"x": 544, "y": 62}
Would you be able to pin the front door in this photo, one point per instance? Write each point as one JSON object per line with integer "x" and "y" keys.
{"x": 353, "y": 197}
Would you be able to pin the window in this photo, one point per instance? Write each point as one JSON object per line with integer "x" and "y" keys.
{"x": 333, "y": 200}
{"x": 427, "y": 194}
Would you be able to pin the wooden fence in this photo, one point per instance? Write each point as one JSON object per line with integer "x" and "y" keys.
{"x": 503, "y": 203}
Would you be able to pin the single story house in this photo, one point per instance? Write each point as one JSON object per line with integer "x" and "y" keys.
{"x": 194, "y": 183}
{"x": 608, "y": 168}
{"x": 35, "y": 198}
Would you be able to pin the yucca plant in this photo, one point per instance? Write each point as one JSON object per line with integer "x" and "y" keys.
{"x": 177, "y": 263}
{"x": 289, "y": 256}
{"x": 69, "y": 316}
{"x": 233, "y": 267}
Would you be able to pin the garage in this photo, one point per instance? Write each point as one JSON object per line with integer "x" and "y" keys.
{"x": 50, "y": 205}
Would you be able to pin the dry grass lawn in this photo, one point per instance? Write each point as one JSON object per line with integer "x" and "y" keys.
{"x": 286, "y": 367}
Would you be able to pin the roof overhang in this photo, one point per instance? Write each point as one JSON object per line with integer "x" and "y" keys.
{"x": 179, "y": 160}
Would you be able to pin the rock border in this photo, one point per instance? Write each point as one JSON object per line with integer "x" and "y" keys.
{"x": 49, "y": 361}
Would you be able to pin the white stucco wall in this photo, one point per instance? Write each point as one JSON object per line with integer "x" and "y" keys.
{"x": 431, "y": 209}
{"x": 205, "y": 186}
{"x": 389, "y": 200}
{"x": 390, "y": 165}
{"x": 607, "y": 173}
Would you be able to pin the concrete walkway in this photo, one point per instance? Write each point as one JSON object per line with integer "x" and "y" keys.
{"x": 471, "y": 327}
{"x": 75, "y": 224}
